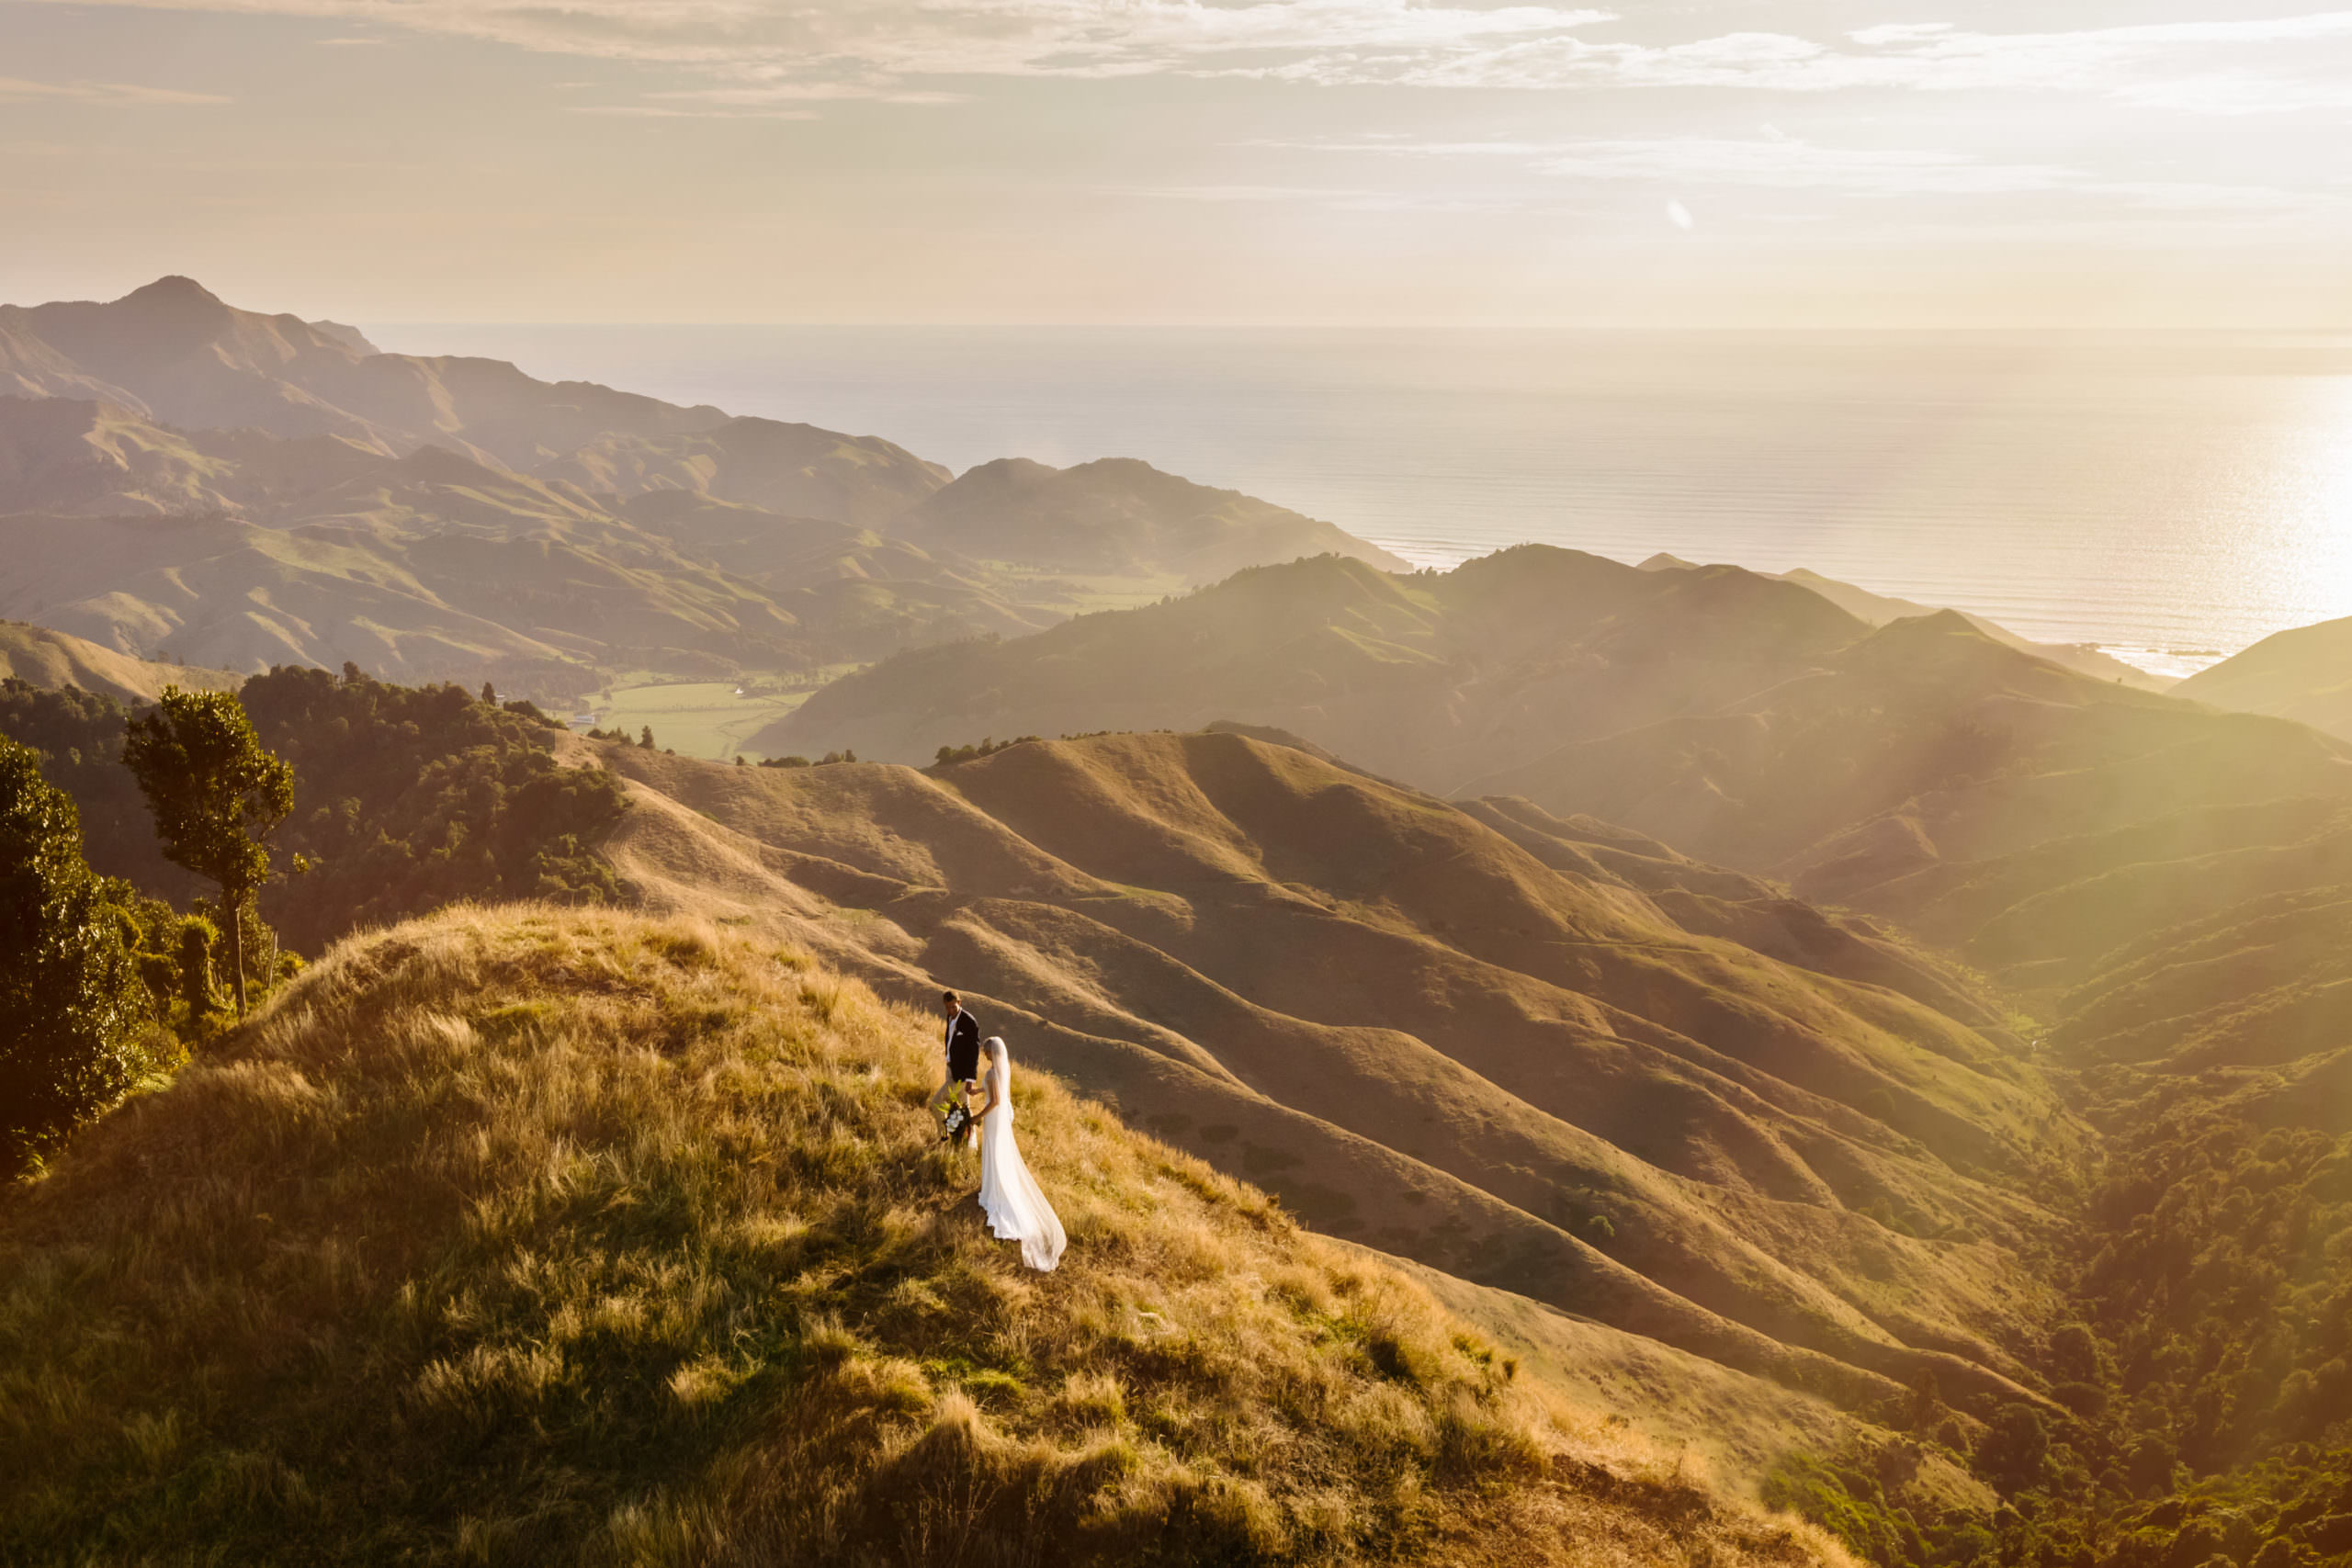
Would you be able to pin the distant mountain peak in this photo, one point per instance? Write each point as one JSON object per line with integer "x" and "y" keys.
{"x": 174, "y": 289}
{"x": 1936, "y": 623}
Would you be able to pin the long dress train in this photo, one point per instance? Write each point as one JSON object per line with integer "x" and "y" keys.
{"x": 1016, "y": 1209}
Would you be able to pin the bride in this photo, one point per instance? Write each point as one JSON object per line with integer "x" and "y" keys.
{"x": 1017, "y": 1210}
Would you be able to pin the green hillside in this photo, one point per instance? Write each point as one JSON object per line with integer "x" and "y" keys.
{"x": 537, "y": 1236}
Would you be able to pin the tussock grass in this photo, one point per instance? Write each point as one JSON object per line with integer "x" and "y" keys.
{"x": 533, "y": 1234}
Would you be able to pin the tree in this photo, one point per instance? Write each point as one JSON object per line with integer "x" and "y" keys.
{"x": 645, "y": 738}
{"x": 71, "y": 1001}
{"x": 216, "y": 794}
{"x": 2014, "y": 1449}
{"x": 489, "y": 695}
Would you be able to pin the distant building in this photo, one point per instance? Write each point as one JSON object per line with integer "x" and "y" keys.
{"x": 583, "y": 721}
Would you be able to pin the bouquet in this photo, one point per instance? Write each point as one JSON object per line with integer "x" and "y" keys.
{"x": 959, "y": 1117}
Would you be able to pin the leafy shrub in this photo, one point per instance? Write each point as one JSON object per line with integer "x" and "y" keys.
{"x": 72, "y": 1006}
{"x": 948, "y": 756}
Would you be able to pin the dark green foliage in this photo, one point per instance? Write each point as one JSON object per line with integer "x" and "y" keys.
{"x": 256, "y": 943}
{"x": 2206, "y": 1371}
{"x": 79, "y": 737}
{"x": 70, "y": 1002}
{"x": 217, "y": 794}
{"x": 826, "y": 759}
{"x": 415, "y": 797}
{"x": 2222, "y": 1275}
{"x": 405, "y": 799}
{"x": 645, "y": 738}
{"x": 197, "y": 937}
{"x": 2014, "y": 1450}
{"x": 1850, "y": 1503}
{"x": 987, "y": 747}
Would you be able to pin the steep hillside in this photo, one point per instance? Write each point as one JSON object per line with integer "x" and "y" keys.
{"x": 1429, "y": 677}
{"x": 534, "y": 1235}
{"x": 1119, "y": 517}
{"x": 1925, "y": 742}
{"x": 39, "y": 656}
{"x": 1881, "y": 609}
{"x": 1483, "y": 1045}
{"x": 797, "y": 469}
{"x": 223, "y": 593}
{"x": 2303, "y": 674}
{"x": 177, "y": 354}
{"x": 1922, "y": 769}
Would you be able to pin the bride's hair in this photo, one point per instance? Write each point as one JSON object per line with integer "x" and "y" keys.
{"x": 993, "y": 1046}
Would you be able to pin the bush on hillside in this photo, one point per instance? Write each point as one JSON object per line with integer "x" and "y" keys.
{"x": 406, "y": 798}
{"x": 987, "y": 746}
{"x": 72, "y": 1006}
{"x": 79, "y": 737}
{"x": 414, "y": 797}
{"x": 217, "y": 795}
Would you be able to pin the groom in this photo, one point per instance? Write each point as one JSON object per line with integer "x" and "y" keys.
{"x": 963, "y": 1041}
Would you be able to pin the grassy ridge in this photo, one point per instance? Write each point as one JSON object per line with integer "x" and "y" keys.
{"x": 530, "y": 1234}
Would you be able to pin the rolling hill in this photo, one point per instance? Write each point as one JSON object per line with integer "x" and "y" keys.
{"x": 1119, "y": 517}
{"x": 1534, "y": 1054}
{"x": 1921, "y": 770}
{"x": 2303, "y": 674}
{"x": 551, "y": 1235}
{"x": 1555, "y": 1064}
{"x": 39, "y": 656}
{"x": 1882, "y": 609}
{"x": 1429, "y": 677}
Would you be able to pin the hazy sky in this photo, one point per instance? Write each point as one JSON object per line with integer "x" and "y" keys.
{"x": 1746, "y": 161}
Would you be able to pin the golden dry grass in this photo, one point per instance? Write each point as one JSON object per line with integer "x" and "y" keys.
{"x": 536, "y": 1235}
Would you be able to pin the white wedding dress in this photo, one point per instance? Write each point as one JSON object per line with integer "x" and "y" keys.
{"x": 1016, "y": 1210}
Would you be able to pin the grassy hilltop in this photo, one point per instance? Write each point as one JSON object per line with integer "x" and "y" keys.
{"x": 534, "y": 1235}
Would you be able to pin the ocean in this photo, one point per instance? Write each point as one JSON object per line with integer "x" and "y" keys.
{"x": 2170, "y": 498}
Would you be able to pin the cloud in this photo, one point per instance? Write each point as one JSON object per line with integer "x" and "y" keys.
{"x": 1773, "y": 159}
{"x": 660, "y": 111}
{"x": 1776, "y": 161}
{"x": 2281, "y": 63}
{"x": 900, "y": 48}
{"x": 875, "y": 44}
{"x": 15, "y": 90}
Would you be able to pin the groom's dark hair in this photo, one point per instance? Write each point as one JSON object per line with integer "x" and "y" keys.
{"x": 952, "y": 998}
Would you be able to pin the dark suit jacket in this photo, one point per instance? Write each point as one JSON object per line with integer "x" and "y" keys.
{"x": 964, "y": 1047}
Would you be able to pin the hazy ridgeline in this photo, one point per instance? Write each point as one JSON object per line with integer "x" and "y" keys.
{"x": 1820, "y": 1050}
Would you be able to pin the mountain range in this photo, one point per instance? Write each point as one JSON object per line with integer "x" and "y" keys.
{"x": 1823, "y": 1025}
{"x": 1882, "y": 609}
{"x": 450, "y": 517}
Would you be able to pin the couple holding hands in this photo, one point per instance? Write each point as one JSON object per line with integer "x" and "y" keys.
{"x": 1016, "y": 1209}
